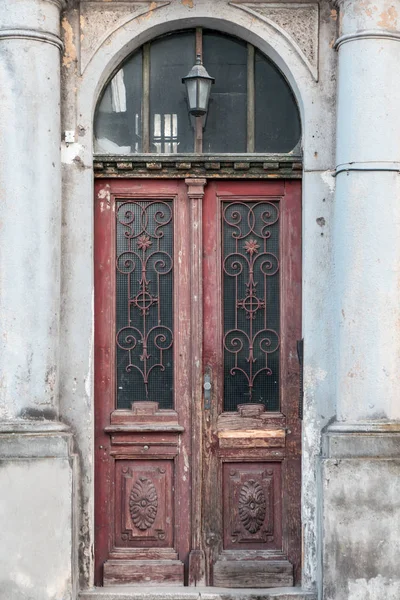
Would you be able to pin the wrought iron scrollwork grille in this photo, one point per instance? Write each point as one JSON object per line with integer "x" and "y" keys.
{"x": 251, "y": 304}
{"x": 144, "y": 306}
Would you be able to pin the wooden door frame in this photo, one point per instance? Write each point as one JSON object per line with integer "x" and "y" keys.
{"x": 195, "y": 192}
{"x": 111, "y": 425}
{"x": 289, "y": 195}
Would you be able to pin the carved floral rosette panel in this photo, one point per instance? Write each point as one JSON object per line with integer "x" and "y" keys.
{"x": 144, "y": 494}
{"x": 251, "y": 303}
{"x": 252, "y": 506}
{"x": 144, "y": 302}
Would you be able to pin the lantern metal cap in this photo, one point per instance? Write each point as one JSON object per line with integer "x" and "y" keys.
{"x": 198, "y": 71}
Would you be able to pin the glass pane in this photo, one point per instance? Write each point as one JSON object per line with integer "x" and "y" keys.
{"x": 144, "y": 304}
{"x": 277, "y": 122}
{"x": 118, "y": 120}
{"x": 191, "y": 87}
{"x": 225, "y": 58}
{"x": 251, "y": 304}
{"x": 171, "y": 58}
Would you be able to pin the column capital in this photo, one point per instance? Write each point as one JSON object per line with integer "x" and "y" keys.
{"x": 32, "y": 19}
{"x": 196, "y": 187}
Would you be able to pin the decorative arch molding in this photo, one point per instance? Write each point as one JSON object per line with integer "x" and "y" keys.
{"x": 130, "y": 33}
{"x": 298, "y": 23}
{"x": 111, "y": 17}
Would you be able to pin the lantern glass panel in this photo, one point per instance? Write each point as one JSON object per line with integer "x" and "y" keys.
{"x": 191, "y": 85}
{"x": 204, "y": 93}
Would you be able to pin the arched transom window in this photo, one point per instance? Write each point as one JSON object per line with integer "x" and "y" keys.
{"x": 144, "y": 108}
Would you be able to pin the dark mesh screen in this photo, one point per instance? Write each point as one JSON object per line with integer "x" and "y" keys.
{"x": 251, "y": 304}
{"x": 144, "y": 305}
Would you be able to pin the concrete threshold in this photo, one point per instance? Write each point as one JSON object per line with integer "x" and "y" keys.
{"x": 194, "y": 593}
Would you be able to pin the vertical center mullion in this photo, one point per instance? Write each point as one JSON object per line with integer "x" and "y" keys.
{"x": 198, "y": 139}
{"x": 146, "y": 98}
{"x": 250, "y": 98}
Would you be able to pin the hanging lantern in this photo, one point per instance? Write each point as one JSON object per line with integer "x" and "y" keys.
{"x": 198, "y": 86}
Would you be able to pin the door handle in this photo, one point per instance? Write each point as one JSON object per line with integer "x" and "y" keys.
{"x": 207, "y": 386}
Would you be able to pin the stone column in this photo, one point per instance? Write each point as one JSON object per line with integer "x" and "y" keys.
{"x": 36, "y": 466}
{"x": 30, "y": 184}
{"x": 361, "y": 469}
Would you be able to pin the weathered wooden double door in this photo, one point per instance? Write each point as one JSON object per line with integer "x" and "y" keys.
{"x": 197, "y": 313}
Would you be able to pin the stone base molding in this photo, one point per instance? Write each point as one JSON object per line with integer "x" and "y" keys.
{"x": 360, "y": 518}
{"x": 32, "y": 426}
{"x": 195, "y": 593}
{"x": 362, "y": 439}
{"x": 38, "y": 473}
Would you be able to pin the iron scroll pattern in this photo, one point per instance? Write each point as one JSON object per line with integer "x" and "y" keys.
{"x": 144, "y": 303}
{"x": 251, "y": 312}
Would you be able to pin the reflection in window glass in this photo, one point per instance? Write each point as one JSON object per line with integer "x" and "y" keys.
{"x": 118, "y": 121}
{"x": 168, "y": 128}
{"x": 171, "y": 58}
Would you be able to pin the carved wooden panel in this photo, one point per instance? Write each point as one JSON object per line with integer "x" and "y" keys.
{"x": 252, "y": 506}
{"x": 143, "y": 504}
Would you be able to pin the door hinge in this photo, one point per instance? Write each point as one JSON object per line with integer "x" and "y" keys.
{"x": 300, "y": 355}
